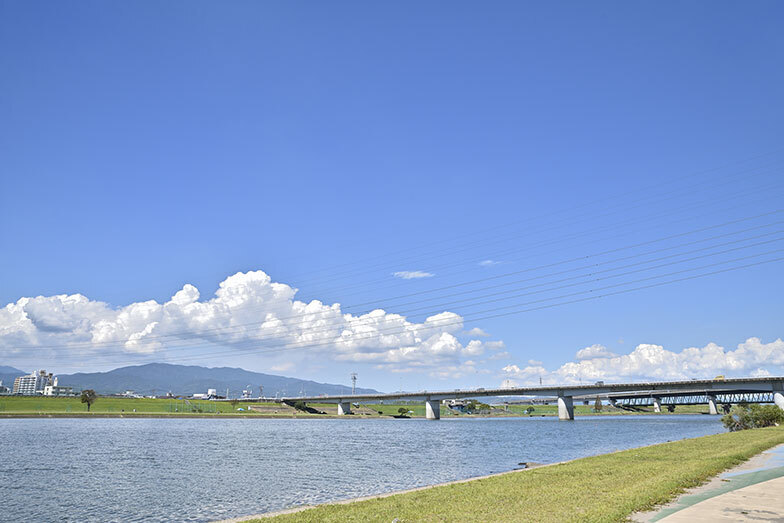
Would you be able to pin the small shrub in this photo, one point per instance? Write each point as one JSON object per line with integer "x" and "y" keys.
{"x": 742, "y": 417}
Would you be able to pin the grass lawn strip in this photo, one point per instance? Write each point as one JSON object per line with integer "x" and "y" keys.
{"x": 609, "y": 487}
{"x": 35, "y": 406}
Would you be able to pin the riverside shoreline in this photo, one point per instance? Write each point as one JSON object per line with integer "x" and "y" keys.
{"x": 23, "y": 415}
{"x": 607, "y": 487}
{"x": 71, "y": 407}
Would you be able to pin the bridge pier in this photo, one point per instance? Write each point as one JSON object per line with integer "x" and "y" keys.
{"x": 432, "y": 409}
{"x": 565, "y": 408}
{"x": 778, "y": 399}
{"x": 656, "y": 404}
{"x": 712, "y": 405}
{"x": 344, "y": 407}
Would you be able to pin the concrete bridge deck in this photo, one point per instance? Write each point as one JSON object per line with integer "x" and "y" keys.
{"x": 565, "y": 393}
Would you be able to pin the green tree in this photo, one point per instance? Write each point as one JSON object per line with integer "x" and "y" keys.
{"x": 402, "y": 410}
{"x": 234, "y": 403}
{"x": 597, "y": 406}
{"x": 474, "y": 407}
{"x": 88, "y": 396}
{"x": 530, "y": 410}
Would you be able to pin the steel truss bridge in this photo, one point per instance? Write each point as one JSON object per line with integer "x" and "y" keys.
{"x": 727, "y": 398}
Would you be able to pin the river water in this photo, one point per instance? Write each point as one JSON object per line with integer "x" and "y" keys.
{"x": 112, "y": 469}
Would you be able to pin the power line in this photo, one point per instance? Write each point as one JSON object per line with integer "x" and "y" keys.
{"x": 616, "y": 210}
{"x": 654, "y": 217}
{"x": 310, "y": 317}
{"x": 307, "y": 317}
{"x": 440, "y": 325}
{"x": 594, "y": 296}
{"x": 645, "y": 190}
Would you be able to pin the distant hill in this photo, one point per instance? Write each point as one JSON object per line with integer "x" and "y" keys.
{"x": 9, "y": 374}
{"x": 12, "y": 370}
{"x": 188, "y": 379}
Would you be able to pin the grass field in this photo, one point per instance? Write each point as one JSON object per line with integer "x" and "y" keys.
{"x": 40, "y": 405}
{"x": 609, "y": 487}
{"x": 103, "y": 405}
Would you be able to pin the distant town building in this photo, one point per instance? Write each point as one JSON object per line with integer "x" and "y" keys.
{"x": 57, "y": 390}
{"x": 211, "y": 395}
{"x": 33, "y": 383}
{"x": 455, "y": 404}
{"x": 40, "y": 382}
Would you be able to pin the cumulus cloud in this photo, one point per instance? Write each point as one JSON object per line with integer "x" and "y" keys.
{"x": 412, "y": 275}
{"x": 594, "y": 351}
{"x": 477, "y": 332}
{"x": 654, "y": 362}
{"x": 467, "y": 368}
{"x": 249, "y": 312}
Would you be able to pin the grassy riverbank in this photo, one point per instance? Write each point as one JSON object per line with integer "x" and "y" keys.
{"x": 32, "y": 406}
{"x": 609, "y": 487}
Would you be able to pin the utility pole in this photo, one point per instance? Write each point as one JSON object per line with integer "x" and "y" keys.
{"x": 353, "y": 383}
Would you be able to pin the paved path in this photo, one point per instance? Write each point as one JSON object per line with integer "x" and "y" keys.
{"x": 753, "y": 491}
{"x": 759, "y": 502}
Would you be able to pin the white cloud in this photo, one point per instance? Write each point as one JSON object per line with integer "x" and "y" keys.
{"x": 462, "y": 370}
{"x": 654, "y": 362}
{"x": 594, "y": 351}
{"x": 477, "y": 332}
{"x": 503, "y": 355}
{"x": 412, "y": 275}
{"x": 488, "y": 263}
{"x": 249, "y": 313}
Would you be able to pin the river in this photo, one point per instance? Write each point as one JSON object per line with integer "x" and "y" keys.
{"x": 113, "y": 469}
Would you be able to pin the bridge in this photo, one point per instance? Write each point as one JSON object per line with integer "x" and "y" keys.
{"x": 713, "y": 398}
{"x": 732, "y": 390}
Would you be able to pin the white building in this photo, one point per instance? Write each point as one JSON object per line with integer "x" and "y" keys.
{"x": 55, "y": 390}
{"x": 32, "y": 384}
{"x": 211, "y": 395}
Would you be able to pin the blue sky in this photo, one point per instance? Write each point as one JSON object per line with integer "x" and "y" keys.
{"x": 148, "y": 145}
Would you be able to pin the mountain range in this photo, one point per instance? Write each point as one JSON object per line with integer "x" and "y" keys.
{"x": 160, "y": 378}
{"x": 8, "y": 374}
